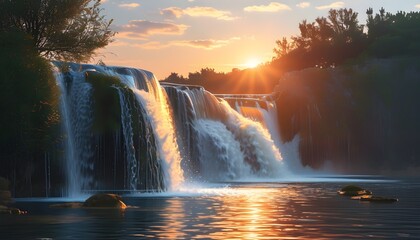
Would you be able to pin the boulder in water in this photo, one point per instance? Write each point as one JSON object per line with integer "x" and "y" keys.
{"x": 352, "y": 190}
{"x": 104, "y": 200}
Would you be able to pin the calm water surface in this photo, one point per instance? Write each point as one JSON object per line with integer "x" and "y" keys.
{"x": 234, "y": 211}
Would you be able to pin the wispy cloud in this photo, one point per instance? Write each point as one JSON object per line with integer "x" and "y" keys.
{"x": 142, "y": 28}
{"x": 206, "y": 44}
{"x": 129, "y": 5}
{"x": 272, "y": 7}
{"x": 303, "y": 5}
{"x": 332, "y": 5}
{"x": 198, "y": 12}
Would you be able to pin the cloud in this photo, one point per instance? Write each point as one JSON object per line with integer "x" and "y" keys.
{"x": 150, "y": 45}
{"x": 207, "y": 44}
{"x": 303, "y": 5}
{"x": 417, "y": 6}
{"x": 332, "y": 5}
{"x": 272, "y": 7}
{"x": 142, "y": 28}
{"x": 198, "y": 12}
{"x": 172, "y": 12}
{"x": 129, "y": 5}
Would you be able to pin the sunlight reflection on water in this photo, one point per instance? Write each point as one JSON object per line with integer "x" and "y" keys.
{"x": 234, "y": 211}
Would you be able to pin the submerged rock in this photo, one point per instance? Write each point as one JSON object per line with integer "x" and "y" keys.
{"x": 352, "y": 190}
{"x": 103, "y": 200}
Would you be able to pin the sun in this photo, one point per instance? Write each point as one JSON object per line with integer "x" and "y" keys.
{"x": 252, "y": 63}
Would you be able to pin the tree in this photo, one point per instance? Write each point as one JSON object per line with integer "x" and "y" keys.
{"x": 325, "y": 42}
{"x": 68, "y": 30}
{"x": 283, "y": 47}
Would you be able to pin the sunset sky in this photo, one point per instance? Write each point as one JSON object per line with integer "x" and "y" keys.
{"x": 183, "y": 36}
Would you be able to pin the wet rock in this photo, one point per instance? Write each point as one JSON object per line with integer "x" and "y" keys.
{"x": 11, "y": 211}
{"x": 67, "y": 205}
{"x": 352, "y": 190}
{"x": 378, "y": 199}
{"x": 103, "y": 200}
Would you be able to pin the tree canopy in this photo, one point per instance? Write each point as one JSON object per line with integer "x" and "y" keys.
{"x": 68, "y": 30}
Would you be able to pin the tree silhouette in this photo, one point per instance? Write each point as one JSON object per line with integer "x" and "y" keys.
{"x": 60, "y": 29}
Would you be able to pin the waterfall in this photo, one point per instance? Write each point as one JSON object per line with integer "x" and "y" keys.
{"x": 256, "y": 141}
{"x": 221, "y": 157}
{"x": 262, "y": 109}
{"x": 229, "y": 146}
{"x": 76, "y": 113}
{"x": 126, "y": 132}
{"x": 160, "y": 118}
{"x": 132, "y": 166}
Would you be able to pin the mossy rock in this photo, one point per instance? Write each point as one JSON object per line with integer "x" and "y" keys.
{"x": 107, "y": 110}
{"x": 353, "y": 190}
{"x": 104, "y": 200}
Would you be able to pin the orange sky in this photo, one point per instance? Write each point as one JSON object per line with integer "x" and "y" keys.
{"x": 182, "y": 36}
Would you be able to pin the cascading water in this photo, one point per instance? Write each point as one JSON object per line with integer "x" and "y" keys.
{"x": 125, "y": 133}
{"x": 149, "y": 158}
{"x": 220, "y": 154}
{"x": 132, "y": 166}
{"x": 160, "y": 118}
{"x": 224, "y": 138}
{"x": 77, "y": 122}
{"x": 262, "y": 109}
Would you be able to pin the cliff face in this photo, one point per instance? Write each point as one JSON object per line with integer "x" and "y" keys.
{"x": 357, "y": 118}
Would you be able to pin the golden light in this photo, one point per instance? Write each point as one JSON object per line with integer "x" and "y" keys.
{"x": 252, "y": 63}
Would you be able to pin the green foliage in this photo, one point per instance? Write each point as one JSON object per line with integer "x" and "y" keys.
{"x": 325, "y": 42}
{"x": 60, "y": 29}
{"x": 28, "y": 99}
{"x": 394, "y": 34}
{"x": 106, "y": 100}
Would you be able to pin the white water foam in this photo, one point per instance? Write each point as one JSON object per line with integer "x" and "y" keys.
{"x": 220, "y": 154}
{"x": 254, "y": 137}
